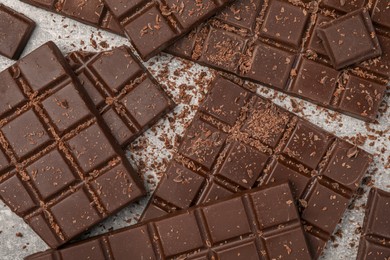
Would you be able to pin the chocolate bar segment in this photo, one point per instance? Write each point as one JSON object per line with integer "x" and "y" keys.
{"x": 126, "y": 95}
{"x": 91, "y": 12}
{"x": 152, "y": 25}
{"x": 15, "y": 31}
{"x": 350, "y": 39}
{"x": 275, "y": 43}
{"x": 375, "y": 238}
{"x": 239, "y": 140}
{"x": 61, "y": 169}
{"x": 343, "y": 6}
{"x": 249, "y": 225}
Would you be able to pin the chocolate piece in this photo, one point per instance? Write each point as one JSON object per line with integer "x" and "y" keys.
{"x": 380, "y": 14}
{"x": 276, "y": 44}
{"x": 248, "y": 225}
{"x": 91, "y": 12}
{"x": 342, "y": 5}
{"x": 15, "y": 31}
{"x": 152, "y": 26}
{"x": 239, "y": 140}
{"x": 126, "y": 95}
{"x": 375, "y": 239}
{"x": 350, "y": 39}
{"x": 60, "y": 168}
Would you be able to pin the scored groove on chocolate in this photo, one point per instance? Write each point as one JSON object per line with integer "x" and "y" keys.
{"x": 129, "y": 99}
{"x": 275, "y": 43}
{"x": 375, "y": 238}
{"x": 153, "y": 25}
{"x": 257, "y": 224}
{"x": 91, "y": 12}
{"x": 60, "y": 169}
{"x": 239, "y": 140}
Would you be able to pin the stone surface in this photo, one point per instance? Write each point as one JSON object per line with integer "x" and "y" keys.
{"x": 70, "y": 35}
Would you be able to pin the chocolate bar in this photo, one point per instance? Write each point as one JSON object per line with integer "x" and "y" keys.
{"x": 276, "y": 44}
{"x": 129, "y": 99}
{"x": 15, "y": 31}
{"x": 60, "y": 168}
{"x": 257, "y": 224}
{"x": 151, "y": 26}
{"x": 91, "y": 12}
{"x": 375, "y": 239}
{"x": 239, "y": 140}
{"x": 350, "y": 39}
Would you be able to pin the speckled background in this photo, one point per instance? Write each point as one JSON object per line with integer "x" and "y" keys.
{"x": 17, "y": 240}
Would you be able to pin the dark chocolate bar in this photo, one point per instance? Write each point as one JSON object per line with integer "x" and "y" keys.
{"x": 239, "y": 140}
{"x": 258, "y": 224}
{"x": 153, "y": 25}
{"x": 375, "y": 239}
{"x": 276, "y": 44}
{"x": 15, "y": 31}
{"x": 91, "y": 12}
{"x": 60, "y": 168}
{"x": 350, "y": 39}
{"x": 126, "y": 95}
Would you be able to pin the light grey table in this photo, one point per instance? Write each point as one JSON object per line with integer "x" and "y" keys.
{"x": 193, "y": 81}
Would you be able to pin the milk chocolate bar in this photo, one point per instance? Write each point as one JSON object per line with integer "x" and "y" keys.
{"x": 375, "y": 239}
{"x": 91, "y": 12}
{"x": 276, "y": 43}
{"x": 239, "y": 140}
{"x": 15, "y": 31}
{"x": 153, "y": 25}
{"x": 60, "y": 168}
{"x": 257, "y": 224}
{"x": 129, "y": 99}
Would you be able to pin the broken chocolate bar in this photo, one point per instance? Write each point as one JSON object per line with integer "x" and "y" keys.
{"x": 257, "y": 224}
{"x": 126, "y": 95}
{"x": 239, "y": 140}
{"x": 276, "y": 44}
{"x": 60, "y": 168}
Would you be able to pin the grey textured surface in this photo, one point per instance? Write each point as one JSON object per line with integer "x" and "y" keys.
{"x": 191, "y": 81}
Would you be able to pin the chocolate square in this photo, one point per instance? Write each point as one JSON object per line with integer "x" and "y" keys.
{"x": 203, "y": 143}
{"x": 51, "y": 174}
{"x": 285, "y": 23}
{"x": 222, "y": 49}
{"x": 308, "y": 144}
{"x": 315, "y": 81}
{"x": 179, "y": 234}
{"x": 12, "y": 96}
{"x": 243, "y": 164}
{"x": 227, "y": 220}
{"x": 26, "y": 134}
{"x": 140, "y": 244}
{"x": 15, "y": 31}
{"x": 179, "y": 186}
{"x": 350, "y": 39}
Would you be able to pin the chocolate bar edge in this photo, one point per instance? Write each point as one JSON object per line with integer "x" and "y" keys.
{"x": 53, "y": 254}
